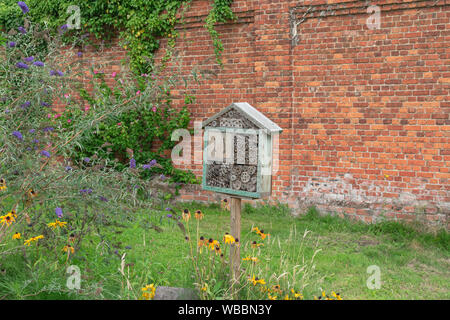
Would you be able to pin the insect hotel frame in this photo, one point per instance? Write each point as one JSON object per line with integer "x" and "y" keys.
{"x": 237, "y": 152}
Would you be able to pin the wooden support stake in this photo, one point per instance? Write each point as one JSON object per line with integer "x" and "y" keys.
{"x": 235, "y": 252}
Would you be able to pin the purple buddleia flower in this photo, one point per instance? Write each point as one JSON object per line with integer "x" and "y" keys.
{"x": 64, "y": 27}
{"x": 32, "y": 131}
{"x": 29, "y": 59}
{"x": 23, "y": 6}
{"x": 56, "y": 73}
{"x": 103, "y": 199}
{"x": 163, "y": 177}
{"x": 45, "y": 153}
{"x": 25, "y": 105}
{"x": 169, "y": 215}
{"x": 132, "y": 163}
{"x": 86, "y": 160}
{"x": 149, "y": 165}
{"x": 80, "y": 54}
{"x": 22, "y": 65}
{"x": 59, "y": 212}
{"x": 86, "y": 191}
{"x": 48, "y": 129}
{"x": 18, "y": 135}
{"x": 38, "y": 64}
{"x": 22, "y": 30}
{"x": 11, "y": 44}
{"x": 36, "y": 141}
{"x": 45, "y": 104}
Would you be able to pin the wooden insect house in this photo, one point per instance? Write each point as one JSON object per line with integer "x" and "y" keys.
{"x": 237, "y": 154}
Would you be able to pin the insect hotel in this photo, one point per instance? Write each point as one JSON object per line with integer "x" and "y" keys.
{"x": 237, "y": 154}
{"x": 238, "y": 161}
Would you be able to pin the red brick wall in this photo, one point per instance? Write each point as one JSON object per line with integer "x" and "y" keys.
{"x": 365, "y": 113}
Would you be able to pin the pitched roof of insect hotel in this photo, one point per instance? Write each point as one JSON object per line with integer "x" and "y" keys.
{"x": 249, "y": 113}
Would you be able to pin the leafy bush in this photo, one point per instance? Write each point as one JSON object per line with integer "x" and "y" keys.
{"x": 140, "y": 23}
{"x": 50, "y": 206}
{"x": 133, "y": 135}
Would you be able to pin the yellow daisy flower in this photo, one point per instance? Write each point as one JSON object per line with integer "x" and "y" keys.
{"x": 148, "y": 292}
{"x": 198, "y": 215}
{"x": 68, "y": 248}
{"x": 228, "y": 239}
{"x": 186, "y": 215}
{"x": 17, "y": 236}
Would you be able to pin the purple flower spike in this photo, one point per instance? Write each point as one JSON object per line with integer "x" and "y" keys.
{"x": 169, "y": 215}
{"x": 45, "y": 104}
{"x": 56, "y": 73}
{"x": 103, "y": 199}
{"x": 132, "y": 163}
{"x": 48, "y": 129}
{"x": 86, "y": 160}
{"x": 29, "y": 59}
{"x": 18, "y": 135}
{"x": 80, "y": 54}
{"x": 25, "y": 105}
{"x": 22, "y": 65}
{"x": 23, "y": 6}
{"x": 32, "y": 131}
{"x": 38, "y": 64}
{"x": 45, "y": 153}
{"x": 11, "y": 44}
{"x": 22, "y": 30}
{"x": 59, "y": 212}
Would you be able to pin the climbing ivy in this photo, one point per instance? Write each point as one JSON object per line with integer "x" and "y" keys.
{"x": 140, "y": 23}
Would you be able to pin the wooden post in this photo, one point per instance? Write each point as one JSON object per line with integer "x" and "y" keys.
{"x": 235, "y": 252}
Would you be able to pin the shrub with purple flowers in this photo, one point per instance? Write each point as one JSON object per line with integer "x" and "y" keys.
{"x": 50, "y": 204}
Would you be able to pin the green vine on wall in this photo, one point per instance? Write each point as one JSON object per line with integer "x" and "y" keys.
{"x": 140, "y": 23}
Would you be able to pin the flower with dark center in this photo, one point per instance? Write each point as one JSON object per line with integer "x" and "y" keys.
{"x": 22, "y": 65}
{"x": 18, "y": 135}
{"x": 23, "y": 6}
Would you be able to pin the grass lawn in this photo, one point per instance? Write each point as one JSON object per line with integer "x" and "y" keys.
{"x": 413, "y": 265}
